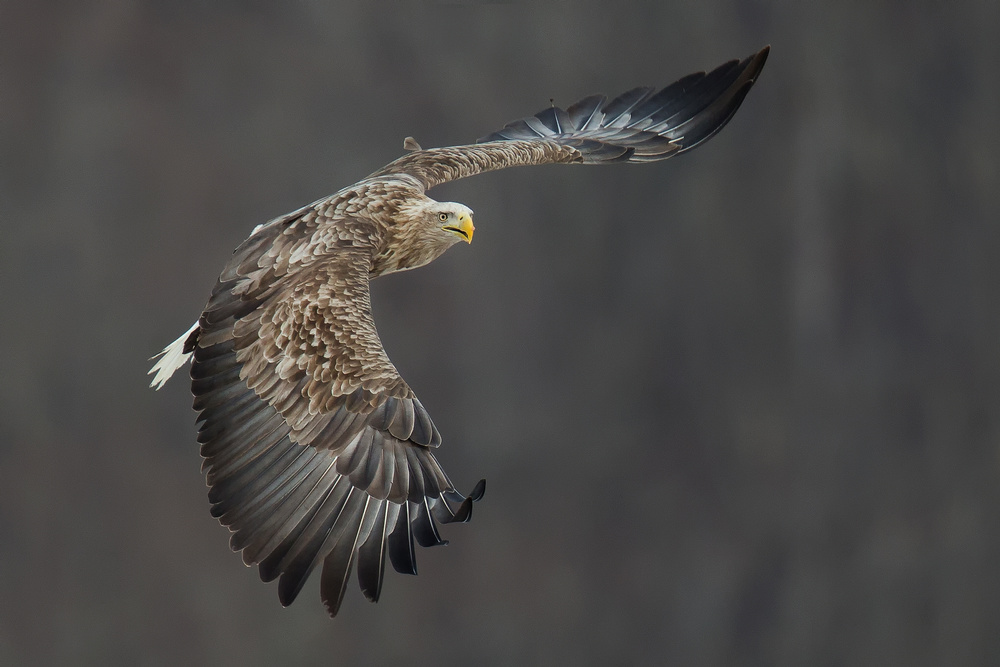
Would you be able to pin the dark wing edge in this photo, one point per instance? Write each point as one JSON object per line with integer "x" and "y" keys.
{"x": 641, "y": 125}
{"x": 361, "y": 485}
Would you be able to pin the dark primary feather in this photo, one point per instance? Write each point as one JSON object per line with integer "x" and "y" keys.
{"x": 372, "y": 553}
{"x": 647, "y": 125}
{"x": 291, "y": 509}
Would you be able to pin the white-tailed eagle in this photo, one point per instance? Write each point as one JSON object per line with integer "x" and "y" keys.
{"x": 315, "y": 449}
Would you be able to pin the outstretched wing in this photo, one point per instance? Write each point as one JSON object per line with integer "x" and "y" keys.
{"x": 316, "y": 450}
{"x": 641, "y": 125}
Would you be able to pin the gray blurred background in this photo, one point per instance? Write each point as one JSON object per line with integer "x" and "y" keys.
{"x": 739, "y": 407}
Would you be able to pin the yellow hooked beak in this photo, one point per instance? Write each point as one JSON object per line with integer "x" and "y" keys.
{"x": 465, "y": 227}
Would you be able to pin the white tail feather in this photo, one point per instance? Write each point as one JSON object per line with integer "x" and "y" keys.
{"x": 171, "y": 358}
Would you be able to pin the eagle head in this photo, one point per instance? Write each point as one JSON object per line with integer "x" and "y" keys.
{"x": 424, "y": 231}
{"x": 454, "y": 219}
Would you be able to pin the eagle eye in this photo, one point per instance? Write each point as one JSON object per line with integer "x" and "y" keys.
{"x": 443, "y": 216}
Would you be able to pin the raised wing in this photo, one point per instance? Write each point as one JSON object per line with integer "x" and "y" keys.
{"x": 641, "y": 125}
{"x": 316, "y": 451}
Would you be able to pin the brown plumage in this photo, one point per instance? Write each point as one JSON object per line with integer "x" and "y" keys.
{"x": 315, "y": 449}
